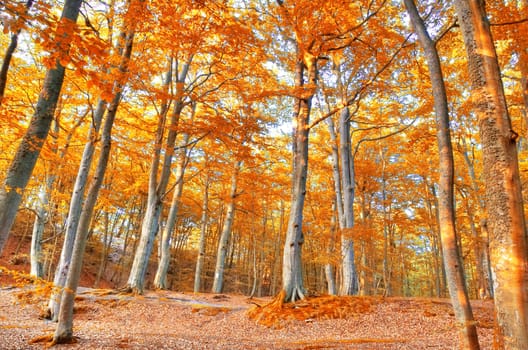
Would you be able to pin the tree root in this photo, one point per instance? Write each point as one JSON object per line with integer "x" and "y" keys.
{"x": 50, "y": 340}
{"x": 278, "y": 312}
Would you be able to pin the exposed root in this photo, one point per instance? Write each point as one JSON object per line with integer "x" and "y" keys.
{"x": 64, "y": 340}
{"x": 48, "y": 339}
{"x": 127, "y": 290}
{"x": 277, "y": 312}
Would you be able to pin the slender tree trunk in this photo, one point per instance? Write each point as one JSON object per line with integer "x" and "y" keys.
{"x": 64, "y": 330}
{"x": 157, "y": 187}
{"x": 37, "y": 269}
{"x": 149, "y": 225}
{"x": 160, "y": 280}
{"x": 349, "y": 281}
{"x": 482, "y": 249}
{"x": 338, "y": 204}
{"x": 292, "y": 275}
{"x": 223, "y": 242}
{"x": 41, "y": 217}
{"x": 335, "y": 170}
{"x": 387, "y": 256}
{"x": 9, "y": 55}
{"x": 22, "y": 165}
{"x": 452, "y": 259}
{"x": 504, "y": 203}
{"x": 330, "y": 250}
{"x": 74, "y": 212}
{"x": 203, "y": 231}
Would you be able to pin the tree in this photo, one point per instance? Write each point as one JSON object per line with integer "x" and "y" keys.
{"x": 504, "y": 203}
{"x": 160, "y": 280}
{"x": 64, "y": 330}
{"x": 158, "y": 182}
{"x": 446, "y": 211}
{"x": 203, "y": 231}
{"x": 9, "y": 54}
{"x": 28, "y": 151}
{"x": 223, "y": 242}
{"x": 78, "y": 194}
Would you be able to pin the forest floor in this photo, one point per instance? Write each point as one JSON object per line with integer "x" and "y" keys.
{"x": 106, "y": 319}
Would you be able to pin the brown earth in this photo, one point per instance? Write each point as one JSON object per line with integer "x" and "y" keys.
{"x": 105, "y": 319}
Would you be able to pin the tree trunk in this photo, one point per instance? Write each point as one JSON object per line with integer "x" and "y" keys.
{"x": 157, "y": 188}
{"x": 203, "y": 231}
{"x": 226, "y": 232}
{"x": 64, "y": 330}
{"x": 338, "y": 204}
{"x": 292, "y": 277}
{"x": 387, "y": 256}
{"x": 38, "y": 231}
{"x": 9, "y": 55}
{"x": 160, "y": 280}
{"x": 22, "y": 165}
{"x": 504, "y": 203}
{"x": 74, "y": 212}
{"x": 452, "y": 259}
{"x": 349, "y": 281}
{"x": 330, "y": 250}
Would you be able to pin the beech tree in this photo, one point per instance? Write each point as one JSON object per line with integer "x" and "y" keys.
{"x": 78, "y": 193}
{"x": 504, "y": 203}
{"x": 158, "y": 182}
{"x": 225, "y": 235}
{"x": 446, "y": 212}
{"x": 64, "y": 330}
{"x": 10, "y": 50}
{"x": 160, "y": 280}
{"x": 28, "y": 151}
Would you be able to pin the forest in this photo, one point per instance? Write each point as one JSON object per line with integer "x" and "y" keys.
{"x": 277, "y": 149}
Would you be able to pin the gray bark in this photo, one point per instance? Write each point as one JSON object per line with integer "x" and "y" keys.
{"x": 203, "y": 231}
{"x": 74, "y": 212}
{"x": 64, "y": 330}
{"x": 349, "y": 281}
{"x": 160, "y": 280}
{"x": 225, "y": 236}
{"x": 387, "y": 268}
{"x": 157, "y": 188}
{"x": 504, "y": 202}
{"x": 9, "y": 55}
{"x": 22, "y": 165}
{"x": 452, "y": 260}
{"x": 37, "y": 269}
{"x": 292, "y": 276}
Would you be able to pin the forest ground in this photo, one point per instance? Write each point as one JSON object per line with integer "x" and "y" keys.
{"x": 105, "y": 319}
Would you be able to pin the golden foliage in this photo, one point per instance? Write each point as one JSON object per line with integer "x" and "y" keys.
{"x": 40, "y": 290}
